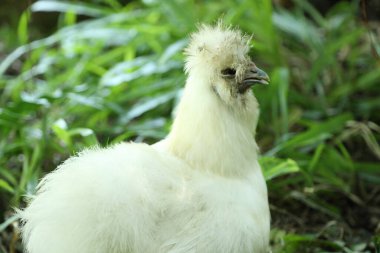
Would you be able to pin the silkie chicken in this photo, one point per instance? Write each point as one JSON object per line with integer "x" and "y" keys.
{"x": 199, "y": 190}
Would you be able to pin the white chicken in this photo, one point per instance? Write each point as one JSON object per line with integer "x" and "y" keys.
{"x": 199, "y": 190}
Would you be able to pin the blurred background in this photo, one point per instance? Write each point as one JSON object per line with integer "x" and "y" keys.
{"x": 79, "y": 73}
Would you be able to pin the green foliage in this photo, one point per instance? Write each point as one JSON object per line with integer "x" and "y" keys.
{"x": 117, "y": 74}
{"x": 274, "y": 167}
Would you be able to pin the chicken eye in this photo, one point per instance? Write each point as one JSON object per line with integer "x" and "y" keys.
{"x": 229, "y": 72}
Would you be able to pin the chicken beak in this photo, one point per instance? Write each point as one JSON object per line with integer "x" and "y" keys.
{"x": 253, "y": 76}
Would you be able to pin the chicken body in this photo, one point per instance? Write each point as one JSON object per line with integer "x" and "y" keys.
{"x": 199, "y": 190}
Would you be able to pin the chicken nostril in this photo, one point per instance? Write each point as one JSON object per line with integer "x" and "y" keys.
{"x": 254, "y": 70}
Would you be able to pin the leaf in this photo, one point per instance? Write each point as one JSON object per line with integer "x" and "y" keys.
{"x": 304, "y": 31}
{"x": 317, "y": 204}
{"x": 22, "y": 30}
{"x": 5, "y": 173}
{"x": 60, "y": 129}
{"x": 279, "y": 88}
{"x": 119, "y": 36}
{"x": 91, "y": 101}
{"x": 5, "y": 186}
{"x": 172, "y": 50}
{"x": 301, "y": 243}
{"x": 274, "y": 167}
{"x": 319, "y": 131}
{"x": 8, "y": 222}
{"x": 78, "y": 8}
{"x": 136, "y": 68}
{"x": 87, "y": 134}
{"x": 147, "y": 105}
{"x": 326, "y": 55}
{"x": 66, "y": 32}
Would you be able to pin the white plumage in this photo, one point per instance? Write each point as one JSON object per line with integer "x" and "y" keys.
{"x": 199, "y": 190}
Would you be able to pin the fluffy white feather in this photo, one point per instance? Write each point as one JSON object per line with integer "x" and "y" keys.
{"x": 199, "y": 190}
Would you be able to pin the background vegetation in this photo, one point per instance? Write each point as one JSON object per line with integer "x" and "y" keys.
{"x": 75, "y": 74}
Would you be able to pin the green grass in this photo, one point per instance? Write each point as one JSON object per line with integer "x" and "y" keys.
{"x": 117, "y": 74}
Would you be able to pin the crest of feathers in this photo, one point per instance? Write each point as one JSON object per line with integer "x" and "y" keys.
{"x": 213, "y": 46}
